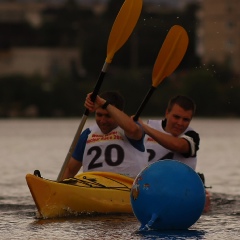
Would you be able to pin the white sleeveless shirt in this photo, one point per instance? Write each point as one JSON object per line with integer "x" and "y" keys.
{"x": 158, "y": 152}
{"x": 113, "y": 152}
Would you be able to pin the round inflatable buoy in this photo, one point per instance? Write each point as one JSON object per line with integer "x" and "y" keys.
{"x": 167, "y": 195}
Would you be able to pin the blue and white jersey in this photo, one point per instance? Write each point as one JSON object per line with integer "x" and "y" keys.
{"x": 112, "y": 152}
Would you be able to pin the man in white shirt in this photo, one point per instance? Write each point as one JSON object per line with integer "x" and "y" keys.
{"x": 115, "y": 143}
{"x": 172, "y": 138}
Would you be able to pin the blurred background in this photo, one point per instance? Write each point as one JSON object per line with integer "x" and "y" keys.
{"x": 51, "y": 53}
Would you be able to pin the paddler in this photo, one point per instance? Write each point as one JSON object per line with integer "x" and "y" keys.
{"x": 115, "y": 143}
{"x": 172, "y": 137}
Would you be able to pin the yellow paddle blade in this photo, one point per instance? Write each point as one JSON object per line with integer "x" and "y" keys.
{"x": 170, "y": 55}
{"x": 123, "y": 26}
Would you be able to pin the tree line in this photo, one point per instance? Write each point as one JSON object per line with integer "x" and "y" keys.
{"x": 215, "y": 88}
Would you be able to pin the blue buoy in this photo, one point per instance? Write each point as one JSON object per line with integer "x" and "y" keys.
{"x": 167, "y": 195}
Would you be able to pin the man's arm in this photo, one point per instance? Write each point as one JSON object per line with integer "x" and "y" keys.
{"x": 132, "y": 129}
{"x": 75, "y": 162}
{"x": 176, "y": 144}
{"x": 72, "y": 168}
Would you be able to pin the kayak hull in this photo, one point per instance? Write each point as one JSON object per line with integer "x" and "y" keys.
{"x": 91, "y": 192}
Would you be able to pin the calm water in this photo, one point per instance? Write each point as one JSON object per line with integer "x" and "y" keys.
{"x": 26, "y": 145}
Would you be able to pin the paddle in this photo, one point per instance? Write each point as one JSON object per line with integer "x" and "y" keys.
{"x": 169, "y": 57}
{"x": 121, "y": 30}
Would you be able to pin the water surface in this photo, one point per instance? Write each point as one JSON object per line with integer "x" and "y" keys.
{"x": 26, "y": 145}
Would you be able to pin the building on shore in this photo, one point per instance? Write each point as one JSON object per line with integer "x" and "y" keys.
{"x": 219, "y": 33}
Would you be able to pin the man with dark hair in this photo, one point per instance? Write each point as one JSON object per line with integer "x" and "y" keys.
{"x": 115, "y": 143}
{"x": 172, "y": 138}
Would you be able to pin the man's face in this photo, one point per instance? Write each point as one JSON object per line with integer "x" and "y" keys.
{"x": 178, "y": 120}
{"x": 104, "y": 121}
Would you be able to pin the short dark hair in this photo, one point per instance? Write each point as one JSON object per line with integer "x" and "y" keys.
{"x": 114, "y": 98}
{"x": 183, "y": 101}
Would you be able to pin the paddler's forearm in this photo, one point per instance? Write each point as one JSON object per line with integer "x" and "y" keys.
{"x": 132, "y": 130}
{"x": 71, "y": 169}
{"x": 170, "y": 142}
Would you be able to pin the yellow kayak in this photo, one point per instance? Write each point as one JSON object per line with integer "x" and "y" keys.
{"x": 89, "y": 192}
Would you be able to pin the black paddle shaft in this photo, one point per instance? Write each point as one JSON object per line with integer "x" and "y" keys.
{"x": 96, "y": 90}
{"x": 144, "y": 102}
